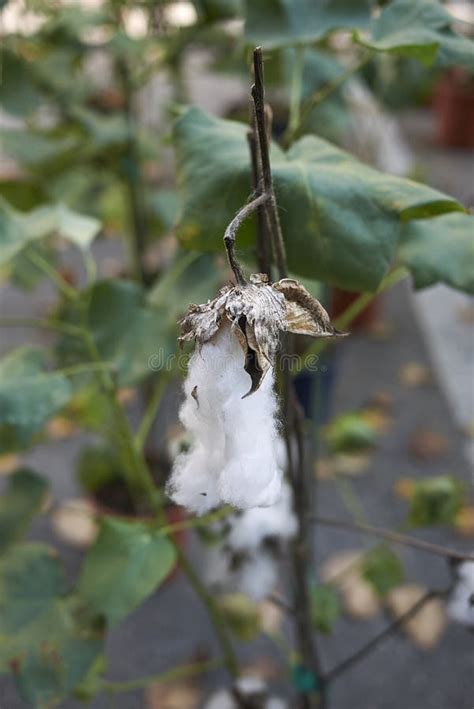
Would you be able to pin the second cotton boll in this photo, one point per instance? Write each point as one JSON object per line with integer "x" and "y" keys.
{"x": 234, "y": 456}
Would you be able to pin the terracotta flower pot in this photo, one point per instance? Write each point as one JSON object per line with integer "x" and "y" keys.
{"x": 454, "y": 107}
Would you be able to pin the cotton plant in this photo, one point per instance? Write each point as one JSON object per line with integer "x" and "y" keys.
{"x": 245, "y": 559}
{"x": 461, "y": 601}
{"x": 248, "y": 691}
{"x": 230, "y": 406}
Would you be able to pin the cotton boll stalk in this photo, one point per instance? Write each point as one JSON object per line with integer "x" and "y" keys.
{"x": 461, "y": 602}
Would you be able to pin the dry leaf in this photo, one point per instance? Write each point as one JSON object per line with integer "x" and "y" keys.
{"x": 61, "y": 427}
{"x": 428, "y": 445}
{"x": 414, "y": 374}
{"x": 352, "y": 463}
{"x": 468, "y": 429}
{"x": 74, "y": 522}
{"x": 270, "y": 617}
{"x": 173, "y": 695}
{"x": 464, "y": 522}
{"x": 427, "y": 626}
{"x": 466, "y": 314}
{"x": 404, "y": 488}
{"x": 8, "y": 463}
{"x": 342, "y": 570}
{"x": 381, "y": 400}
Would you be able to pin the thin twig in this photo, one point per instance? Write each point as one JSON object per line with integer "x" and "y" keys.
{"x": 271, "y": 212}
{"x": 366, "y": 649}
{"x": 231, "y": 233}
{"x": 176, "y": 673}
{"x": 263, "y": 246}
{"x": 396, "y": 538}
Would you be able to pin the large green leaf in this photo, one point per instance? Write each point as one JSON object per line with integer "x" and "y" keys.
{"x": 440, "y": 249}
{"x": 18, "y": 92}
{"x": 128, "y": 331}
{"x": 341, "y": 219}
{"x": 41, "y": 638}
{"x": 23, "y": 498}
{"x": 276, "y": 23}
{"x": 420, "y": 29}
{"x": 127, "y": 563}
{"x": 29, "y": 396}
{"x": 18, "y": 229}
{"x": 36, "y": 149}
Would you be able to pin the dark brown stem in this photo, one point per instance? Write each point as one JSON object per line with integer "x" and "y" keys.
{"x": 386, "y": 633}
{"x": 231, "y": 233}
{"x": 299, "y": 473}
{"x": 263, "y": 245}
{"x": 271, "y": 212}
{"x": 396, "y": 538}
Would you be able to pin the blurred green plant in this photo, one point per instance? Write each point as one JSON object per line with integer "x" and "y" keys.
{"x": 86, "y": 165}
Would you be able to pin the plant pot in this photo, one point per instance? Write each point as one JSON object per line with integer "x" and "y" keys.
{"x": 454, "y": 107}
{"x": 342, "y": 299}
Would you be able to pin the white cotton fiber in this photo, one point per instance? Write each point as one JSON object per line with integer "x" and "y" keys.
{"x": 234, "y": 457}
{"x": 253, "y": 526}
{"x": 461, "y": 602}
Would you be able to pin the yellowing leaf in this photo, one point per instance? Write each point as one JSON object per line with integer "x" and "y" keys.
{"x": 61, "y": 427}
{"x": 74, "y": 522}
{"x": 464, "y": 521}
{"x": 427, "y": 626}
{"x": 414, "y": 374}
{"x": 9, "y": 463}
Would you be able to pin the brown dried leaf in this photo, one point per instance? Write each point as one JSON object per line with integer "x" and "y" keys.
{"x": 428, "y": 445}
{"x": 464, "y": 522}
{"x": 126, "y": 395}
{"x": 378, "y": 419}
{"x": 324, "y": 468}
{"x": 304, "y": 314}
{"x": 343, "y": 571}
{"x": 9, "y": 463}
{"x": 427, "y": 626}
{"x": 270, "y": 617}
{"x": 414, "y": 374}
{"x": 74, "y": 522}
{"x": 173, "y": 695}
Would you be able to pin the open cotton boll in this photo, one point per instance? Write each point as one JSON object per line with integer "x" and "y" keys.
{"x": 250, "y": 689}
{"x": 233, "y": 458}
{"x": 461, "y": 602}
{"x": 257, "y": 576}
{"x": 251, "y": 528}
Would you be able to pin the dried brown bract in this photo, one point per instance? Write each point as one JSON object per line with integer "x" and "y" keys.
{"x": 258, "y": 312}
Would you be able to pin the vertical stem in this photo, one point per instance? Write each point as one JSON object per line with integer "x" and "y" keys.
{"x": 263, "y": 245}
{"x": 133, "y": 176}
{"x": 300, "y": 476}
{"x": 271, "y": 212}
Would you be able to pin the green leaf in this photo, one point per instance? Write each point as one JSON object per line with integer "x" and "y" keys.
{"x": 18, "y": 92}
{"x": 127, "y": 563}
{"x": 382, "y": 568}
{"x": 325, "y": 608}
{"x": 276, "y": 23}
{"x": 215, "y": 10}
{"x": 36, "y": 149}
{"x": 18, "y": 229}
{"x": 127, "y": 331}
{"x": 341, "y": 219}
{"x": 422, "y": 30}
{"x": 20, "y": 502}
{"x": 241, "y": 615}
{"x": 440, "y": 249}
{"x": 29, "y": 396}
{"x": 41, "y": 639}
{"x": 436, "y": 500}
{"x": 351, "y": 432}
{"x": 98, "y": 466}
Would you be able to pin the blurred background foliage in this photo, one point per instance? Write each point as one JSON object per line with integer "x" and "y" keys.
{"x": 99, "y": 146}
